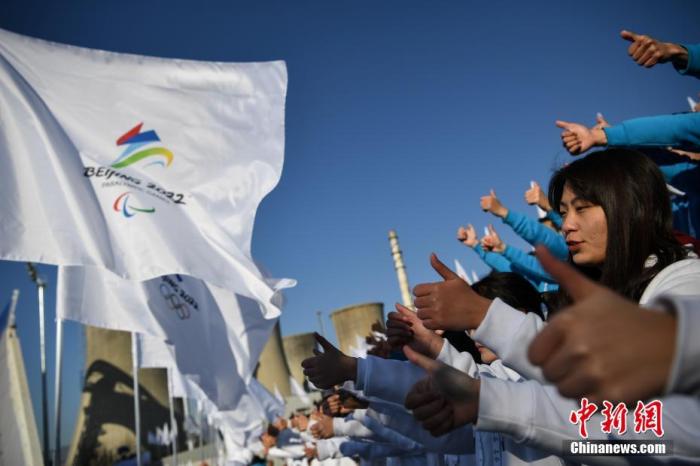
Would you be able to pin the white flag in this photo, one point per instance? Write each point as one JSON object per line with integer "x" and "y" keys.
{"x": 156, "y": 353}
{"x": 272, "y": 406}
{"x": 475, "y": 277}
{"x": 239, "y": 426}
{"x": 278, "y": 395}
{"x": 141, "y": 165}
{"x": 459, "y": 270}
{"x": 540, "y": 211}
{"x": 361, "y": 347}
{"x": 298, "y": 391}
{"x": 217, "y": 335}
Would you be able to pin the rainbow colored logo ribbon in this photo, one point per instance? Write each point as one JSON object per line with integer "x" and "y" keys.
{"x": 121, "y": 204}
{"x": 134, "y": 140}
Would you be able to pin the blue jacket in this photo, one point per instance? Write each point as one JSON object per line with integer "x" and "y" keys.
{"x": 535, "y": 233}
{"x": 494, "y": 260}
{"x": 524, "y": 266}
{"x": 555, "y": 218}
{"x": 527, "y": 265}
{"x": 683, "y": 174}
{"x": 681, "y": 130}
{"x": 693, "y": 67}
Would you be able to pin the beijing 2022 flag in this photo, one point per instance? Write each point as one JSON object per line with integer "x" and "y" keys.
{"x": 216, "y": 335}
{"x": 144, "y": 166}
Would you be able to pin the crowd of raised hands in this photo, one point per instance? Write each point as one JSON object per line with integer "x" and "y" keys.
{"x": 602, "y": 312}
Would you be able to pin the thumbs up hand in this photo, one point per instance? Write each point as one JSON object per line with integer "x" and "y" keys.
{"x": 449, "y": 304}
{"x": 578, "y": 139}
{"x": 403, "y": 327}
{"x": 536, "y": 196}
{"x": 444, "y": 400}
{"x": 330, "y": 367}
{"x": 600, "y": 122}
{"x": 647, "y": 51}
{"x": 493, "y": 242}
{"x": 593, "y": 347}
{"x": 467, "y": 236}
{"x": 490, "y": 203}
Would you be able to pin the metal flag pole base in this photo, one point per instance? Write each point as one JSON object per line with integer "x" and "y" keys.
{"x": 173, "y": 423}
{"x": 137, "y": 397}
{"x": 40, "y": 285}
{"x": 57, "y": 393}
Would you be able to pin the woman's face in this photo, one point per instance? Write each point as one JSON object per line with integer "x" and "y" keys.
{"x": 585, "y": 229}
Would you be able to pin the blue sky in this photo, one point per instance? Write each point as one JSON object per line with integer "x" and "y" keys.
{"x": 400, "y": 114}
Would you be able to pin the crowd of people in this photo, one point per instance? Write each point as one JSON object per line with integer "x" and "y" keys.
{"x": 590, "y": 336}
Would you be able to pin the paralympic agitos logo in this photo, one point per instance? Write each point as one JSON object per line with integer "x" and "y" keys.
{"x": 140, "y": 148}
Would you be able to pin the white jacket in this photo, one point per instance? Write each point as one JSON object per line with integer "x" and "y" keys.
{"x": 536, "y": 414}
{"x": 685, "y": 369}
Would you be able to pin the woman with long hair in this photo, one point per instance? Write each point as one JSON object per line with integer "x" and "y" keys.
{"x": 617, "y": 225}
{"x": 617, "y": 219}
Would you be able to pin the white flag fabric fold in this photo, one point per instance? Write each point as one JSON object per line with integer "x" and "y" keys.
{"x": 144, "y": 166}
{"x": 156, "y": 353}
{"x": 299, "y": 392}
{"x": 240, "y": 424}
{"x": 459, "y": 270}
{"x": 216, "y": 336}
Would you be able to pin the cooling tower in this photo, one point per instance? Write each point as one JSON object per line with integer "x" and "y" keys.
{"x": 273, "y": 371}
{"x": 354, "y": 323}
{"x": 297, "y": 348}
{"x": 104, "y": 429}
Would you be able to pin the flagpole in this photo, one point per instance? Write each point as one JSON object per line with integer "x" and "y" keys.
{"x": 137, "y": 396}
{"x": 319, "y": 314}
{"x": 40, "y": 284}
{"x": 57, "y": 392}
{"x": 201, "y": 432}
{"x": 173, "y": 424}
{"x": 186, "y": 417}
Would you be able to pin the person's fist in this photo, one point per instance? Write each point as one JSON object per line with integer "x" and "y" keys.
{"x": 450, "y": 304}
{"x": 600, "y": 122}
{"x": 405, "y": 328}
{"x": 578, "y": 139}
{"x": 535, "y": 196}
{"x": 594, "y": 347}
{"x": 647, "y": 51}
{"x": 323, "y": 428}
{"x": 490, "y": 203}
{"x": 493, "y": 242}
{"x": 329, "y": 368}
{"x": 444, "y": 400}
{"x": 310, "y": 451}
{"x": 467, "y": 236}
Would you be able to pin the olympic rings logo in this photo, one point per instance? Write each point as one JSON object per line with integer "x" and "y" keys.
{"x": 180, "y": 308}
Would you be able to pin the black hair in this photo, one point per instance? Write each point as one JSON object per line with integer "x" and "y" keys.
{"x": 272, "y": 431}
{"x": 632, "y": 192}
{"x": 462, "y": 343}
{"x": 512, "y": 289}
